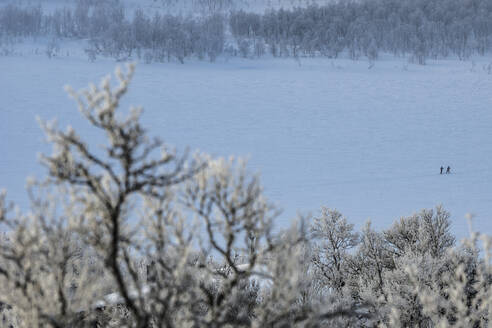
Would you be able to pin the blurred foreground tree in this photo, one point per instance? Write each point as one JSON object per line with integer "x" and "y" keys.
{"x": 135, "y": 235}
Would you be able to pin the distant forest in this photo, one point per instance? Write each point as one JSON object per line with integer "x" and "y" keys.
{"x": 417, "y": 29}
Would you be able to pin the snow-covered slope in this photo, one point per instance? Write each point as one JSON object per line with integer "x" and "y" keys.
{"x": 367, "y": 141}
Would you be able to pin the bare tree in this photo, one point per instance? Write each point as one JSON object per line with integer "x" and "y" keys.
{"x": 335, "y": 238}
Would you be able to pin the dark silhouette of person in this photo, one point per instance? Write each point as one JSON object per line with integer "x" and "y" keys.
{"x": 448, "y": 170}
{"x": 442, "y": 169}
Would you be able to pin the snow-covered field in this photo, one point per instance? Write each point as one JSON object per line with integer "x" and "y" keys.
{"x": 367, "y": 141}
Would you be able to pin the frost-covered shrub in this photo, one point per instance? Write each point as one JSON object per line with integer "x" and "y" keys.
{"x": 462, "y": 297}
{"x": 408, "y": 275}
{"x": 52, "y": 48}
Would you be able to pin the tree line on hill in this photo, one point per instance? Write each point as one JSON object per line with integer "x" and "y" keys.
{"x": 134, "y": 234}
{"x": 417, "y": 29}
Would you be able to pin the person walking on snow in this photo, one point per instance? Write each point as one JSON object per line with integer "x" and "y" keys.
{"x": 448, "y": 170}
{"x": 442, "y": 169}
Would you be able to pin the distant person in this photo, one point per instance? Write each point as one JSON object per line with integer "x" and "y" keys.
{"x": 442, "y": 169}
{"x": 448, "y": 170}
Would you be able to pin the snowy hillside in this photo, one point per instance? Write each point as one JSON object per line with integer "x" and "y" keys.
{"x": 367, "y": 139}
{"x": 366, "y": 135}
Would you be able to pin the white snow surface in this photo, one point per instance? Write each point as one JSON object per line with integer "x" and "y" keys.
{"x": 368, "y": 142}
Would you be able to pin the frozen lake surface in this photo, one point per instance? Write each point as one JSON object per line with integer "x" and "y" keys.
{"x": 368, "y": 142}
